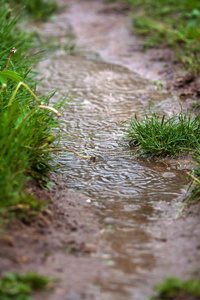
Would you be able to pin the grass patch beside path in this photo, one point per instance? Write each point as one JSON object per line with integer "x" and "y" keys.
{"x": 172, "y": 23}
{"x": 165, "y": 136}
{"x": 29, "y": 125}
{"x": 176, "y": 289}
{"x": 37, "y": 9}
{"x": 177, "y": 135}
{"x": 194, "y": 195}
{"x": 18, "y": 287}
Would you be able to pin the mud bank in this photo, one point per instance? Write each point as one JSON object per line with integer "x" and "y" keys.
{"x": 68, "y": 244}
{"x": 59, "y": 243}
{"x": 102, "y": 249}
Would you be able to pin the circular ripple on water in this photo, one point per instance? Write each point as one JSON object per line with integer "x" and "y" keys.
{"x": 102, "y": 88}
{"x": 103, "y": 96}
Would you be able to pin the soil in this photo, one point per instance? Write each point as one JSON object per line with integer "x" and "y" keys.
{"x": 65, "y": 240}
{"x": 60, "y": 243}
{"x": 160, "y": 61}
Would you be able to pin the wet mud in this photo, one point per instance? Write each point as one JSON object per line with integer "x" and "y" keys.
{"x": 113, "y": 229}
{"x": 59, "y": 243}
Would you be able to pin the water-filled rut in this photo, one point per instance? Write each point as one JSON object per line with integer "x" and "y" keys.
{"x": 124, "y": 191}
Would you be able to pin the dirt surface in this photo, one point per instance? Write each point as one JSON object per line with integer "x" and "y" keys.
{"x": 60, "y": 243}
{"x": 66, "y": 241}
{"x": 107, "y": 29}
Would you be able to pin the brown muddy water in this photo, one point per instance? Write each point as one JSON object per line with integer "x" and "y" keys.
{"x": 123, "y": 191}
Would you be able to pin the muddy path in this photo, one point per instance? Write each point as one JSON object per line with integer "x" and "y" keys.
{"x": 112, "y": 230}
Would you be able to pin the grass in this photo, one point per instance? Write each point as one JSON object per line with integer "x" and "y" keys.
{"x": 28, "y": 135}
{"x": 162, "y": 136}
{"x": 173, "y": 289}
{"x": 194, "y": 195}
{"x": 165, "y": 136}
{"x": 29, "y": 126}
{"x": 175, "y": 24}
{"x": 37, "y": 9}
{"x": 17, "y": 287}
{"x": 172, "y": 23}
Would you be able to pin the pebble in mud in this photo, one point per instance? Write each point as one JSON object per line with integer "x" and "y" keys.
{"x": 168, "y": 174}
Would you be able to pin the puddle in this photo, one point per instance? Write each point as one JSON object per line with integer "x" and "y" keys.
{"x": 124, "y": 191}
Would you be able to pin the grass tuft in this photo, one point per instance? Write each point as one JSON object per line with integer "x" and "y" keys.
{"x": 165, "y": 136}
{"x": 194, "y": 195}
{"x": 173, "y": 288}
{"x": 18, "y": 287}
{"x": 37, "y": 9}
